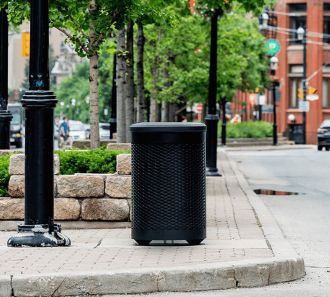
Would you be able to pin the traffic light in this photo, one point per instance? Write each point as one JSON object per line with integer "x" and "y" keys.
{"x": 301, "y": 93}
{"x": 25, "y": 44}
{"x": 311, "y": 91}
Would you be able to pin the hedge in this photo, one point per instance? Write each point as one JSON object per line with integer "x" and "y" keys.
{"x": 258, "y": 129}
{"x": 100, "y": 160}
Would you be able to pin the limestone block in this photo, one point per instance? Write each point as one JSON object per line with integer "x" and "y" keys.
{"x": 67, "y": 209}
{"x": 11, "y": 209}
{"x": 118, "y": 186}
{"x": 105, "y": 209}
{"x": 124, "y": 164}
{"x": 119, "y": 146}
{"x": 80, "y": 186}
{"x": 17, "y": 164}
{"x": 16, "y": 186}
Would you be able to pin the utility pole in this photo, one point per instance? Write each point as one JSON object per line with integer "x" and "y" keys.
{"x": 39, "y": 102}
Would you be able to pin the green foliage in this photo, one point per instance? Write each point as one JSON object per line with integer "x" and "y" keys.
{"x": 100, "y": 160}
{"x": 258, "y": 129}
{"x": 77, "y": 86}
{"x": 184, "y": 50}
{"x": 4, "y": 174}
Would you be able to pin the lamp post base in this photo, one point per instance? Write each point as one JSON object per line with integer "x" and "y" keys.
{"x": 38, "y": 236}
{"x": 212, "y": 172}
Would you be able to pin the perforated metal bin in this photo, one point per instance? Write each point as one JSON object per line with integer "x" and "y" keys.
{"x": 168, "y": 182}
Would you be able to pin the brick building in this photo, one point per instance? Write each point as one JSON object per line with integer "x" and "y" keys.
{"x": 314, "y": 15}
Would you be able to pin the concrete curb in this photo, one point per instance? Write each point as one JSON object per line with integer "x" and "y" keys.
{"x": 215, "y": 276}
{"x": 270, "y": 147}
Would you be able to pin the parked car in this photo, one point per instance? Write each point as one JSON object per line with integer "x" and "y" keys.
{"x": 77, "y": 130}
{"x": 104, "y": 129}
{"x": 16, "y": 124}
{"x": 87, "y": 130}
{"x": 323, "y": 136}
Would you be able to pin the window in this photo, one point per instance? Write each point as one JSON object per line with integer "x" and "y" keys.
{"x": 297, "y": 19}
{"x": 295, "y": 82}
{"x": 326, "y": 23}
{"x": 326, "y": 92}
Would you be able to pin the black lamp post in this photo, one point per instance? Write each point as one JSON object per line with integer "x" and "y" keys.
{"x": 224, "y": 122}
{"x": 212, "y": 119}
{"x": 39, "y": 103}
{"x": 113, "y": 104}
{"x": 5, "y": 115}
{"x": 273, "y": 68}
{"x": 302, "y": 36}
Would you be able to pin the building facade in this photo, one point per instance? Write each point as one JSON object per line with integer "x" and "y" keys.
{"x": 313, "y": 16}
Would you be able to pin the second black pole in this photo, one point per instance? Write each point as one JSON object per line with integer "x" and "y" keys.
{"x": 212, "y": 119}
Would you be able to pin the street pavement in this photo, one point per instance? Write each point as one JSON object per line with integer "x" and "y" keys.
{"x": 244, "y": 248}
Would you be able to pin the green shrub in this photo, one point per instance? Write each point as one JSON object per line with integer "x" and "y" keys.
{"x": 100, "y": 160}
{"x": 4, "y": 174}
{"x": 258, "y": 129}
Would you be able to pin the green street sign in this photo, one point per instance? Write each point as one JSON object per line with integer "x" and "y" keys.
{"x": 273, "y": 47}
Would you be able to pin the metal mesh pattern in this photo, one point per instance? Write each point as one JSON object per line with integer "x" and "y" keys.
{"x": 168, "y": 187}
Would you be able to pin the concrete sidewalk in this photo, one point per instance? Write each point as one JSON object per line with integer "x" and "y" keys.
{"x": 244, "y": 248}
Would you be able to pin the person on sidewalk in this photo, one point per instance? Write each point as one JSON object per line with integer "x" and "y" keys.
{"x": 64, "y": 133}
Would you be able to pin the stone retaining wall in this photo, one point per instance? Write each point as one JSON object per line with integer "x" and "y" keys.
{"x": 86, "y": 197}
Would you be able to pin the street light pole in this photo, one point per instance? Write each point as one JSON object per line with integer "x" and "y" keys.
{"x": 39, "y": 103}
{"x": 305, "y": 82}
{"x": 302, "y": 36}
{"x": 224, "y": 122}
{"x": 113, "y": 103}
{"x": 273, "y": 68}
{"x": 274, "y": 115}
{"x": 212, "y": 119}
{"x": 5, "y": 115}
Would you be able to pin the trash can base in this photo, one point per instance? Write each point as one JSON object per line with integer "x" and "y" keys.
{"x": 149, "y": 235}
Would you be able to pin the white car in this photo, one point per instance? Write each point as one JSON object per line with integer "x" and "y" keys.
{"x": 104, "y": 129}
{"x": 77, "y": 130}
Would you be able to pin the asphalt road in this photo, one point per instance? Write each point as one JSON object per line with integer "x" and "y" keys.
{"x": 304, "y": 218}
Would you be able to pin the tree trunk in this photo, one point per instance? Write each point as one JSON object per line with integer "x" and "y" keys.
{"x": 165, "y": 111}
{"x": 130, "y": 82}
{"x": 154, "y": 106}
{"x": 141, "y": 102}
{"x": 172, "y": 112}
{"x": 121, "y": 87}
{"x": 165, "y": 117}
{"x": 93, "y": 83}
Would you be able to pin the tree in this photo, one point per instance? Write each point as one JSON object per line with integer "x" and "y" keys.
{"x": 87, "y": 24}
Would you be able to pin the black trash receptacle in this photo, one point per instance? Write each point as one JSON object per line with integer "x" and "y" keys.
{"x": 296, "y": 133}
{"x": 168, "y": 182}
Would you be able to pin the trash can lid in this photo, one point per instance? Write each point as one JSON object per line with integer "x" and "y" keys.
{"x": 168, "y": 127}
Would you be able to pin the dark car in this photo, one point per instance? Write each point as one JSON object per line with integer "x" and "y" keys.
{"x": 16, "y": 124}
{"x": 323, "y": 136}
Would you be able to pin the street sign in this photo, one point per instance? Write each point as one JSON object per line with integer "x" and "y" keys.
{"x": 304, "y": 106}
{"x": 273, "y": 47}
{"x": 312, "y": 97}
{"x": 261, "y": 99}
